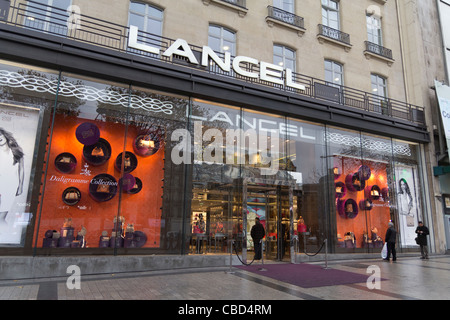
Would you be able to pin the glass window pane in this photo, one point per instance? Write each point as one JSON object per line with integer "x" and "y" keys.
{"x": 214, "y": 43}
{"x": 137, "y": 20}
{"x": 137, "y": 7}
{"x": 154, "y": 26}
{"x": 27, "y": 97}
{"x": 155, "y": 13}
{"x": 347, "y": 183}
{"x": 407, "y": 192}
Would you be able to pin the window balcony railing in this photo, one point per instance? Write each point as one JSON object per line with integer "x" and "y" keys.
{"x": 379, "y": 50}
{"x": 334, "y": 34}
{"x": 106, "y": 34}
{"x": 286, "y": 17}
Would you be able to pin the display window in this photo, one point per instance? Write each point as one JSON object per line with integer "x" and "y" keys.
{"x": 105, "y": 178}
{"x": 26, "y": 96}
{"x": 408, "y": 192}
{"x": 362, "y": 176}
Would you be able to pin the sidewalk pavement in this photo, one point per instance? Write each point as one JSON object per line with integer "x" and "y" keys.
{"x": 406, "y": 279}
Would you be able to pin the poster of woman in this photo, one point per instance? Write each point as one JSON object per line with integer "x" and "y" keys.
{"x": 408, "y": 207}
{"x": 18, "y": 127}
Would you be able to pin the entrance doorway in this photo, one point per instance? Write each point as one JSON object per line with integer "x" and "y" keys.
{"x": 274, "y": 206}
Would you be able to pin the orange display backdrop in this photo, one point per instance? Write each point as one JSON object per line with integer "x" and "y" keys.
{"x": 378, "y": 216}
{"x": 142, "y": 209}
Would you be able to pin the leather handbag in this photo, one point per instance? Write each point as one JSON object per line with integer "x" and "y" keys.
{"x": 103, "y": 188}
{"x": 97, "y": 152}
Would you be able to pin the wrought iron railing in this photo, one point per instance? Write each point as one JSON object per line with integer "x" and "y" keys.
{"x": 379, "y": 50}
{"x": 286, "y": 17}
{"x": 334, "y": 34}
{"x": 102, "y": 33}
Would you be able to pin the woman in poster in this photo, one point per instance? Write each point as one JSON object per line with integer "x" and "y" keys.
{"x": 405, "y": 202}
{"x": 11, "y": 172}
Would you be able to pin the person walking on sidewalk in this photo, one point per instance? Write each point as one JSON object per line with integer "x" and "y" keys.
{"x": 422, "y": 233}
{"x": 391, "y": 237}
{"x": 257, "y": 233}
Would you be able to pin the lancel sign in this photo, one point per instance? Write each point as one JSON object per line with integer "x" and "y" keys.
{"x": 267, "y": 71}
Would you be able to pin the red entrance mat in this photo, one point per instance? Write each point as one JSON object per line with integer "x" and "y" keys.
{"x": 307, "y": 275}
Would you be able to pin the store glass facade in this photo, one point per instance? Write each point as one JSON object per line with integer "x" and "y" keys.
{"x": 96, "y": 167}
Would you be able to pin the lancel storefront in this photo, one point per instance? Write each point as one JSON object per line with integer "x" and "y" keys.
{"x": 151, "y": 157}
{"x": 91, "y": 166}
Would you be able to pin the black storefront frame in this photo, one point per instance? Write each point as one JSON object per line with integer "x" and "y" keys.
{"x": 48, "y": 51}
{"x": 71, "y": 56}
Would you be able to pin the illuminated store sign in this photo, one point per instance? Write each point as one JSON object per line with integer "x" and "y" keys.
{"x": 267, "y": 71}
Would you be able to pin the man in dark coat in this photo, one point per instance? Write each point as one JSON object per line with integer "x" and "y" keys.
{"x": 257, "y": 233}
{"x": 422, "y": 233}
{"x": 391, "y": 238}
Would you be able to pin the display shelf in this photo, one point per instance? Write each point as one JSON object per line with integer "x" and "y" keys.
{"x": 130, "y": 164}
{"x": 347, "y": 208}
{"x": 87, "y": 133}
{"x": 340, "y": 189}
{"x": 65, "y": 162}
{"x": 71, "y": 196}
{"x": 354, "y": 183}
{"x": 146, "y": 145}
{"x": 127, "y": 182}
{"x": 103, "y": 187}
{"x": 98, "y": 153}
{"x": 373, "y": 192}
{"x": 366, "y": 204}
{"x": 137, "y": 187}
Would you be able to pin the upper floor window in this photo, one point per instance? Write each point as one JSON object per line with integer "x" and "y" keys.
{"x": 374, "y": 29}
{"x": 379, "y": 85}
{"x": 330, "y": 14}
{"x": 334, "y": 73}
{"x": 146, "y": 17}
{"x": 48, "y": 15}
{"x": 284, "y": 56}
{"x": 286, "y": 5}
{"x": 221, "y": 39}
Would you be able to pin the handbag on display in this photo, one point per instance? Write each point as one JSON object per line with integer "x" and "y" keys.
{"x": 103, "y": 188}
{"x": 127, "y": 162}
{"x": 97, "y": 152}
{"x": 348, "y": 207}
{"x": 65, "y": 160}
{"x": 146, "y": 142}
{"x": 71, "y": 196}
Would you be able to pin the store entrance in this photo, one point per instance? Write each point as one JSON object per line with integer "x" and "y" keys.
{"x": 271, "y": 204}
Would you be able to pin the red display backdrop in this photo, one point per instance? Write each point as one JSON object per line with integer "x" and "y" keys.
{"x": 142, "y": 209}
{"x": 371, "y": 215}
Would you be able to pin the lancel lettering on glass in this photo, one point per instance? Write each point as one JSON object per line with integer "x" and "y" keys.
{"x": 268, "y": 72}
